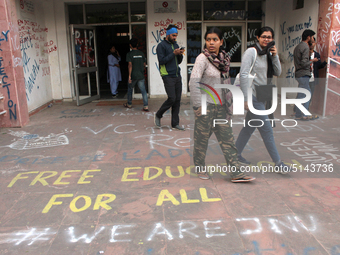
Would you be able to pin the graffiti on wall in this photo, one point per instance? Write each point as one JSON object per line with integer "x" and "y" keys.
{"x": 160, "y": 32}
{"x": 291, "y": 36}
{"x": 34, "y": 50}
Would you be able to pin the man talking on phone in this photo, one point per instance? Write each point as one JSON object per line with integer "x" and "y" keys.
{"x": 169, "y": 57}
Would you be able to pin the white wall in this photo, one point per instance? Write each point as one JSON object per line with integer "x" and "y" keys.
{"x": 157, "y": 22}
{"x": 53, "y": 57}
{"x": 38, "y": 45}
{"x": 289, "y": 25}
{"x": 64, "y": 48}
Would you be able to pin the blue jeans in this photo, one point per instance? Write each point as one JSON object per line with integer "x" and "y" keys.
{"x": 303, "y": 83}
{"x": 266, "y": 132}
{"x": 141, "y": 86}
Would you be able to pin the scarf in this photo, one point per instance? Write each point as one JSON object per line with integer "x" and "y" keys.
{"x": 270, "y": 70}
{"x": 222, "y": 62}
{"x": 266, "y": 51}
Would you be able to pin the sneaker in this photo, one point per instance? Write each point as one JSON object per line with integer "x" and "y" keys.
{"x": 284, "y": 169}
{"x": 178, "y": 127}
{"x": 203, "y": 175}
{"x": 157, "y": 121}
{"x": 145, "y": 110}
{"x": 245, "y": 178}
{"x": 114, "y": 96}
{"x": 242, "y": 160}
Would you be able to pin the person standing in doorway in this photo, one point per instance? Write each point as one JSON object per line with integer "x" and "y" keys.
{"x": 114, "y": 75}
{"x": 169, "y": 57}
{"x": 303, "y": 66}
{"x": 136, "y": 67}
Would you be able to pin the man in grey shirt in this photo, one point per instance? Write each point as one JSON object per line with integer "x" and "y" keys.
{"x": 303, "y": 64}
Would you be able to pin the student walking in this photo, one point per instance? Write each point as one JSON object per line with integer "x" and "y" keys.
{"x": 169, "y": 57}
{"x": 211, "y": 68}
{"x": 136, "y": 67}
{"x": 266, "y": 65}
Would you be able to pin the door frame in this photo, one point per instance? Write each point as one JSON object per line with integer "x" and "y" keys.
{"x": 81, "y": 70}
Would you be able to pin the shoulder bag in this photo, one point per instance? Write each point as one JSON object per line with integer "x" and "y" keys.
{"x": 251, "y": 77}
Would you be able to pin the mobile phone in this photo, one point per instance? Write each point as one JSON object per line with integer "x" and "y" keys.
{"x": 182, "y": 48}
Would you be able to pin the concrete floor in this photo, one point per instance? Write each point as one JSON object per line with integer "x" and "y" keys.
{"x": 100, "y": 179}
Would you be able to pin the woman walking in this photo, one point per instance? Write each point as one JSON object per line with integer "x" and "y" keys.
{"x": 211, "y": 68}
{"x": 266, "y": 65}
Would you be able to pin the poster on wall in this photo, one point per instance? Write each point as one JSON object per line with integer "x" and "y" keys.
{"x": 84, "y": 41}
{"x": 26, "y": 9}
{"x": 165, "y": 6}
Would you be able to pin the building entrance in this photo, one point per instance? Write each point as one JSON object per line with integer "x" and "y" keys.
{"x": 115, "y": 24}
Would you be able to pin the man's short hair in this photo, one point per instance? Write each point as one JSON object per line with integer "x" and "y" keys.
{"x": 134, "y": 42}
{"x": 307, "y": 33}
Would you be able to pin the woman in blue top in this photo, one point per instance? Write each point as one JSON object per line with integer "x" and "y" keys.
{"x": 114, "y": 75}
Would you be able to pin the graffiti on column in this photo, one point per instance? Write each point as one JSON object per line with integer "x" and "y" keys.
{"x": 324, "y": 29}
{"x": 335, "y": 34}
{"x": 12, "y": 106}
{"x": 34, "y": 50}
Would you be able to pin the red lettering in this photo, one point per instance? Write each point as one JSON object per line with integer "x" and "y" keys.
{"x": 334, "y": 190}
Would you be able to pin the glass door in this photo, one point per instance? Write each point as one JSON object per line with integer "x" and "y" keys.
{"x": 84, "y": 64}
{"x": 234, "y": 40}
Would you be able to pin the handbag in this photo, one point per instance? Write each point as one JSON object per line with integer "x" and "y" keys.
{"x": 264, "y": 92}
{"x": 251, "y": 77}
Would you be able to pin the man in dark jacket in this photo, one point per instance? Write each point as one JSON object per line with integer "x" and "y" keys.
{"x": 314, "y": 79}
{"x": 302, "y": 64}
{"x": 169, "y": 57}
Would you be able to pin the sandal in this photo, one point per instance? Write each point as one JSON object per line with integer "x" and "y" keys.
{"x": 203, "y": 175}
{"x": 303, "y": 118}
{"x": 313, "y": 117}
{"x": 126, "y": 105}
{"x": 246, "y": 178}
